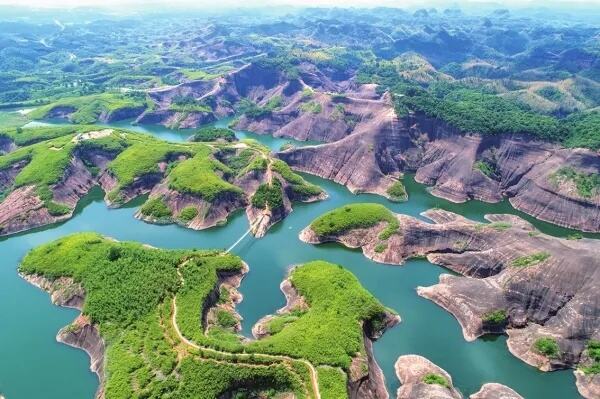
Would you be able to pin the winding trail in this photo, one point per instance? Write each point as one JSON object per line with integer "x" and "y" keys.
{"x": 313, "y": 372}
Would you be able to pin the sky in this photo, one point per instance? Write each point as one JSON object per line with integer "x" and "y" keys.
{"x": 251, "y": 3}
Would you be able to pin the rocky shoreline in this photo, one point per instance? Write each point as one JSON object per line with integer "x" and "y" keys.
{"x": 516, "y": 280}
{"x": 459, "y": 167}
{"x": 421, "y": 379}
{"x": 81, "y": 333}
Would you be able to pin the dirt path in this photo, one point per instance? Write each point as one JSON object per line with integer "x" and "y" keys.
{"x": 313, "y": 372}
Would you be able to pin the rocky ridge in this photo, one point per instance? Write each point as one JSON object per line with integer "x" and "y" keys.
{"x": 458, "y": 166}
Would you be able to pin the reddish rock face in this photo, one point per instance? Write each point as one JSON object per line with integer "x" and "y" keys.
{"x": 442, "y": 157}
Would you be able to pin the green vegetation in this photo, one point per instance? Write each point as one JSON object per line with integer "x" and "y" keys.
{"x": 329, "y": 332}
{"x": 226, "y": 319}
{"x": 300, "y": 187}
{"x": 198, "y": 74}
{"x": 312, "y": 107}
{"x": 307, "y": 92}
{"x": 198, "y": 176}
{"x": 397, "y": 192}
{"x": 486, "y": 168}
{"x": 213, "y": 134}
{"x": 547, "y": 346}
{"x": 156, "y": 208}
{"x": 432, "y": 378}
{"x": 188, "y": 104}
{"x": 587, "y": 184}
{"x": 593, "y": 351}
{"x": 530, "y": 260}
{"x": 352, "y": 216}
{"x": 499, "y": 226}
{"x": 10, "y": 119}
{"x": 379, "y": 248}
{"x": 277, "y": 323}
{"x": 253, "y": 110}
{"x": 333, "y": 383}
{"x": 129, "y": 288}
{"x": 142, "y": 158}
{"x": 188, "y": 213}
{"x": 551, "y": 93}
{"x": 268, "y": 195}
{"x": 575, "y": 236}
{"x": 495, "y": 317}
{"x": 89, "y": 109}
{"x": 584, "y": 130}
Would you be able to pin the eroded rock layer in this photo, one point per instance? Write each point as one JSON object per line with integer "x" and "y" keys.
{"x": 459, "y": 167}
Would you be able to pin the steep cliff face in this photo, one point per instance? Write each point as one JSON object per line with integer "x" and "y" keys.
{"x": 81, "y": 334}
{"x": 359, "y": 161}
{"x": 540, "y": 290}
{"x": 459, "y": 167}
{"x": 421, "y": 379}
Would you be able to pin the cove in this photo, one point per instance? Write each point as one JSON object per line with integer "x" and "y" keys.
{"x": 41, "y": 367}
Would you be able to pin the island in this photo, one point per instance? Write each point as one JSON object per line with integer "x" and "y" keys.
{"x": 538, "y": 289}
{"x": 159, "y": 323}
{"x": 195, "y": 184}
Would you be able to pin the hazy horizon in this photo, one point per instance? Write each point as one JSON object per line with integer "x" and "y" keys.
{"x": 111, "y": 4}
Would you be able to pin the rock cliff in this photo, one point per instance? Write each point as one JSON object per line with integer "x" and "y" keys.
{"x": 459, "y": 167}
{"x": 421, "y": 379}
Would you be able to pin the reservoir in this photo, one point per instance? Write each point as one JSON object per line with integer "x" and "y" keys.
{"x": 34, "y": 365}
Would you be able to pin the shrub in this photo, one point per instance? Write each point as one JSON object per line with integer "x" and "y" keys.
{"x": 379, "y": 248}
{"x": 213, "y": 134}
{"x": 268, "y": 195}
{"x": 495, "y": 317}
{"x": 156, "y": 207}
{"x": 226, "y": 319}
{"x": 486, "y": 168}
{"x": 587, "y": 184}
{"x": 352, "y": 216}
{"x": 547, "y": 346}
{"x": 530, "y": 260}
{"x": 397, "y": 192}
{"x": 312, "y": 107}
{"x": 188, "y": 213}
{"x": 432, "y": 378}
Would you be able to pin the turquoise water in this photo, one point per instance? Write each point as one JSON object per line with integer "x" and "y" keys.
{"x": 38, "y": 366}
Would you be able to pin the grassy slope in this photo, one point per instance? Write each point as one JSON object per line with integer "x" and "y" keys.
{"x": 349, "y": 217}
{"x": 88, "y": 108}
{"x": 330, "y": 332}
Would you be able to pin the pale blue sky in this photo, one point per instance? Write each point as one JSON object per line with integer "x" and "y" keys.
{"x": 247, "y": 3}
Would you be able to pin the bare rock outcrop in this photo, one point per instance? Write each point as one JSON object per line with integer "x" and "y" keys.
{"x": 413, "y": 371}
{"x": 517, "y": 280}
{"x": 459, "y": 167}
{"x": 493, "y": 390}
{"x": 421, "y": 379}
